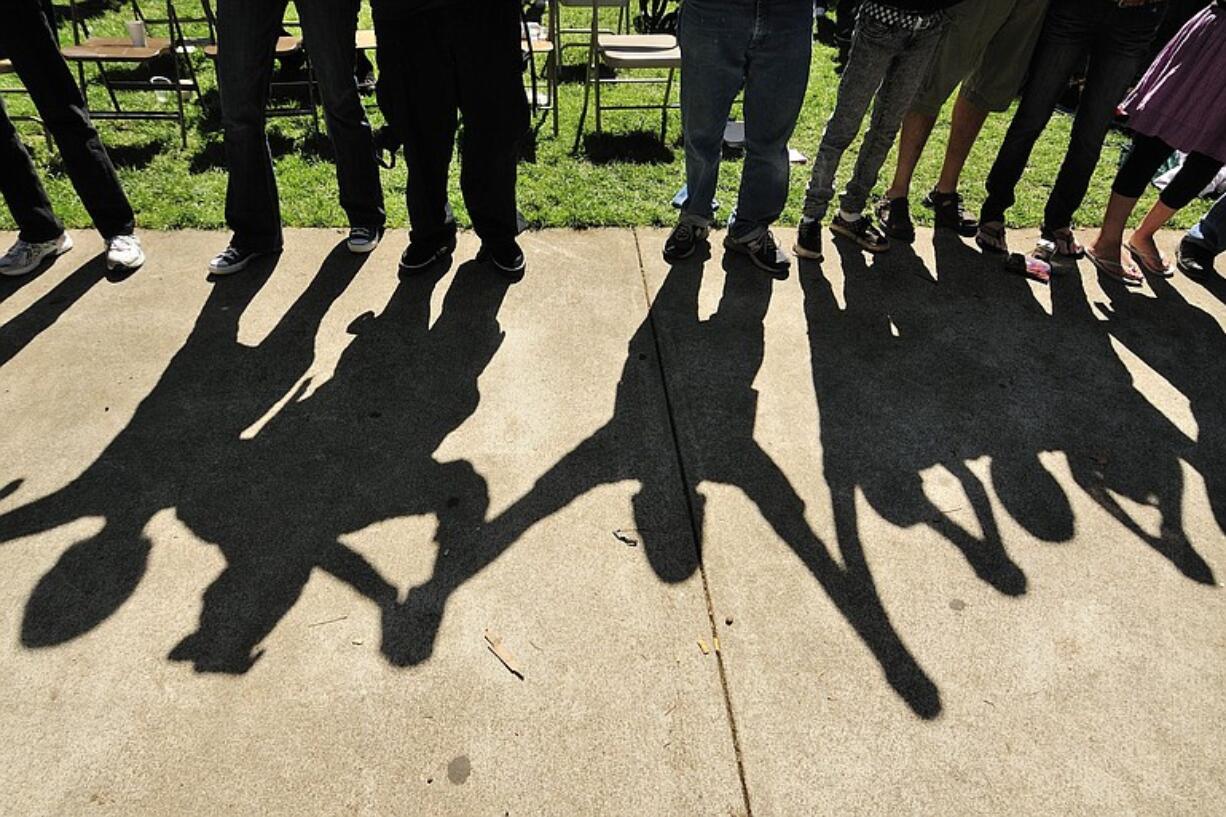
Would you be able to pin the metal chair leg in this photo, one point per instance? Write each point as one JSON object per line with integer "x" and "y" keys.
{"x": 668, "y": 90}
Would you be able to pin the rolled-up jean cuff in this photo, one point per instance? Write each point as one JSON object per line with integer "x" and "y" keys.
{"x": 696, "y": 220}
{"x": 743, "y": 233}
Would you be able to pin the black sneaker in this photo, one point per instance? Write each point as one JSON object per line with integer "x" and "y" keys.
{"x": 1194, "y": 260}
{"x": 683, "y": 240}
{"x": 505, "y": 255}
{"x": 862, "y": 231}
{"x": 423, "y": 253}
{"x": 949, "y": 214}
{"x": 895, "y": 218}
{"x": 231, "y": 260}
{"x": 763, "y": 251}
{"x": 809, "y": 240}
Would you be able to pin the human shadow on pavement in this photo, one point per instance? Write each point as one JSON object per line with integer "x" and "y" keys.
{"x": 911, "y": 377}
{"x": 710, "y": 366}
{"x": 357, "y": 451}
{"x": 20, "y": 330}
{"x": 275, "y": 502}
{"x": 1187, "y": 347}
{"x": 181, "y": 443}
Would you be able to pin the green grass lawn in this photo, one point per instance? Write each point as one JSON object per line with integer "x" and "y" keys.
{"x": 627, "y": 177}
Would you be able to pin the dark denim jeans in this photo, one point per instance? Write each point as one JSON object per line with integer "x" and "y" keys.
{"x": 1210, "y": 233}
{"x": 763, "y": 46}
{"x": 247, "y": 34}
{"x": 1116, "y": 41}
{"x": 28, "y": 39}
{"x": 888, "y": 64}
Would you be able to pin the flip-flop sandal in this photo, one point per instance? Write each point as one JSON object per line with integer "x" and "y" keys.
{"x": 1142, "y": 261}
{"x": 1027, "y": 266}
{"x": 992, "y": 239}
{"x": 1115, "y": 270}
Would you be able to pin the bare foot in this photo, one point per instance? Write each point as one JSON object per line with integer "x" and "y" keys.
{"x": 1110, "y": 251}
{"x": 1147, "y": 247}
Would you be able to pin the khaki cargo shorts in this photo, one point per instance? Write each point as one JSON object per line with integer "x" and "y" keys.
{"x": 986, "y": 47}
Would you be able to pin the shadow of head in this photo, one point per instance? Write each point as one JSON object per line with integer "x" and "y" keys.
{"x": 91, "y": 580}
{"x": 1032, "y": 496}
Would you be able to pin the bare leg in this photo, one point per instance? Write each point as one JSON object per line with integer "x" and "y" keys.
{"x": 916, "y": 128}
{"x": 1155, "y": 220}
{"x": 1110, "y": 240}
{"x": 964, "y": 131}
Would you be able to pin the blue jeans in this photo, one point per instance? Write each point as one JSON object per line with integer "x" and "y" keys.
{"x": 887, "y": 64}
{"x": 763, "y": 46}
{"x": 1210, "y": 233}
{"x": 247, "y": 34}
{"x": 1115, "y": 40}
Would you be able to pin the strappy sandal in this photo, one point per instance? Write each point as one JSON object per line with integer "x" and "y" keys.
{"x": 1164, "y": 270}
{"x": 1115, "y": 270}
{"x": 991, "y": 238}
{"x": 1066, "y": 243}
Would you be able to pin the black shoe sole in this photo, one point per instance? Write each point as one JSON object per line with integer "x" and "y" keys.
{"x": 801, "y": 251}
{"x": 439, "y": 255}
{"x": 740, "y": 249}
{"x": 843, "y": 232}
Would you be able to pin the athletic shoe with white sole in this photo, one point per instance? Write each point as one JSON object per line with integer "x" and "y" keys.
{"x": 123, "y": 252}
{"x": 363, "y": 240}
{"x": 231, "y": 260}
{"x": 24, "y": 257}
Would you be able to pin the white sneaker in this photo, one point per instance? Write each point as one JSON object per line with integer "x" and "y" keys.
{"x": 24, "y": 257}
{"x": 123, "y": 252}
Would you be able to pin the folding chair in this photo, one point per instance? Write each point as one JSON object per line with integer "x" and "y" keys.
{"x": 103, "y": 51}
{"x": 558, "y": 31}
{"x": 286, "y": 47}
{"x": 6, "y": 67}
{"x": 623, "y": 52}
{"x": 544, "y": 47}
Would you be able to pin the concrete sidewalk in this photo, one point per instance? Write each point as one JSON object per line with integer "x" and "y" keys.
{"x": 893, "y": 535}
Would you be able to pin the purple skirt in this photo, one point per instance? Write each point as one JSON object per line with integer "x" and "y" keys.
{"x": 1182, "y": 97}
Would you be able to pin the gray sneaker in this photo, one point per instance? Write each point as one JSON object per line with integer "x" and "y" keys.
{"x": 24, "y": 257}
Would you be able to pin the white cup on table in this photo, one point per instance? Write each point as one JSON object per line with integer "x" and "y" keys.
{"x": 136, "y": 33}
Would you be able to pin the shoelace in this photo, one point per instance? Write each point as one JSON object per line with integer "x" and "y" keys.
{"x": 123, "y": 243}
{"x": 229, "y": 255}
{"x": 684, "y": 233}
{"x": 21, "y": 251}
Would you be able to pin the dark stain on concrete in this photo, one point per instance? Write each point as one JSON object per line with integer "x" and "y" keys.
{"x": 459, "y": 769}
